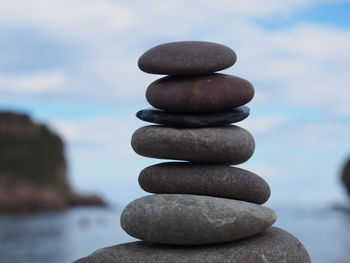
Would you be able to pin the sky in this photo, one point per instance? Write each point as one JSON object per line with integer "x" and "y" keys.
{"x": 73, "y": 65}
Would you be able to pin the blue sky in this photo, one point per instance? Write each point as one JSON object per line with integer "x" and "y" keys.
{"x": 73, "y": 65}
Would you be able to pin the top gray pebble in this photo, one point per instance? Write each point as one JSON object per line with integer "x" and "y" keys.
{"x": 187, "y": 58}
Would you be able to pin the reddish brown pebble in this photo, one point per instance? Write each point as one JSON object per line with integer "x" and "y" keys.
{"x": 198, "y": 94}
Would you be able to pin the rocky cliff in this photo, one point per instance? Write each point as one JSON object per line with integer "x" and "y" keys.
{"x": 33, "y": 168}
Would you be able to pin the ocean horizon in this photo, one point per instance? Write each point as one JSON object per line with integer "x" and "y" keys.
{"x": 64, "y": 236}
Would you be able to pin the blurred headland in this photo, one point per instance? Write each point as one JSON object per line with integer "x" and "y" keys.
{"x": 33, "y": 168}
{"x": 345, "y": 175}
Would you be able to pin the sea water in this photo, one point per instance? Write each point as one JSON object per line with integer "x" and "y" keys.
{"x": 59, "y": 237}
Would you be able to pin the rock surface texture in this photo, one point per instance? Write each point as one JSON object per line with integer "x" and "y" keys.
{"x": 193, "y": 220}
{"x": 227, "y": 144}
{"x": 196, "y": 94}
{"x": 273, "y": 245}
{"x": 203, "y": 210}
{"x": 204, "y": 179}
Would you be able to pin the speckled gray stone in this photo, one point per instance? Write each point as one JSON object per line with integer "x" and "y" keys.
{"x": 274, "y": 245}
{"x": 228, "y": 144}
{"x": 198, "y": 94}
{"x": 220, "y": 118}
{"x": 193, "y": 219}
{"x": 204, "y": 179}
{"x": 187, "y": 58}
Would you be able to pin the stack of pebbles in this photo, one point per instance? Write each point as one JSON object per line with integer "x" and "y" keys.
{"x": 203, "y": 210}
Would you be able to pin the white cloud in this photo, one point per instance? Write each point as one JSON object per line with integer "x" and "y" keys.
{"x": 86, "y": 16}
{"x": 264, "y": 125}
{"x": 256, "y": 8}
{"x": 330, "y": 135}
{"x": 302, "y": 65}
{"x": 70, "y": 18}
{"x": 267, "y": 171}
{"x": 38, "y": 82}
{"x": 98, "y": 137}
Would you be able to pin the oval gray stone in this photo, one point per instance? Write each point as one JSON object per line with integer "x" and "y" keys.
{"x": 274, "y": 245}
{"x": 193, "y": 220}
{"x": 187, "y": 58}
{"x": 204, "y": 179}
{"x": 198, "y": 94}
{"x": 211, "y": 119}
{"x": 228, "y": 144}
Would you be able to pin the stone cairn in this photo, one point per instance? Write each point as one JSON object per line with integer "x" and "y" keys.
{"x": 203, "y": 210}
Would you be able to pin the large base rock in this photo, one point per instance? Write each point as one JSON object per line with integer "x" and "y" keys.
{"x": 273, "y": 245}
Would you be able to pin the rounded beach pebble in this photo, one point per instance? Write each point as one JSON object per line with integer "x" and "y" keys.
{"x": 187, "y": 58}
{"x": 193, "y": 220}
{"x": 274, "y": 245}
{"x": 204, "y": 179}
{"x": 208, "y": 93}
{"x": 227, "y": 144}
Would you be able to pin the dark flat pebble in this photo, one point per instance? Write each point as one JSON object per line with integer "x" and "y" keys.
{"x": 194, "y": 120}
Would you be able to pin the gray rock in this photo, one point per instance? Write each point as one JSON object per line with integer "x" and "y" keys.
{"x": 274, "y": 245}
{"x": 193, "y": 220}
{"x": 204, "y": 179}
{"x": 187, "y": 58}
{"x": 198, "y": 94}
{"x": 228, "y": 144}
{"x": 220, "y": 118}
